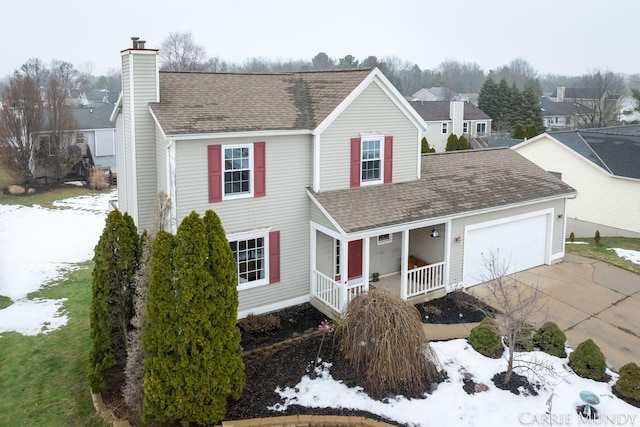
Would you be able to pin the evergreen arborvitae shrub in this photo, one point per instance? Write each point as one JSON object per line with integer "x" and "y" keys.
{"x": 160, "y": 334}
{"x": 486, "y": 340}
{"x": 588, "y": 361}
{"x": 519, "y": 132}
{"x": 628, "y": 384}
{"x": 550, "y": 339}
{"x": 463, "y": 143}
{"x": 532, "y": 130}
{"x": 452, "y": 143}
{"x": 192, "y": 341}
{"x": 116, "y": 262}
{"x": 572, "y": 237}
{"x": 596, "y": 238}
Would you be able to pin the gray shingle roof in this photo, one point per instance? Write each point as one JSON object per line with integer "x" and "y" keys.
{"x": 452, "y": 183}
{"x": 440, "y": 110}
{"x": 94, "y": 116}
{"x": 615, "y": 149}
{"x": 230, "y": 102}
{"x": 566, "y": 108}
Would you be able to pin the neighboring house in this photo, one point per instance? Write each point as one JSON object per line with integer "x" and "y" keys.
{"x": 95, "y": 129}
{"x": 437, "y": 94}
{"x": 319, "y": 183}
{"x": 598, "y": 103}
{"x": 603, "y": 165}
{"x": 461, "y": 118}
{"x": 560, "y": 115}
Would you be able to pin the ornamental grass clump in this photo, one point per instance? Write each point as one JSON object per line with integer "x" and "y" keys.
{"x": 381, "y": 336}
{"x": 588, "y": 361}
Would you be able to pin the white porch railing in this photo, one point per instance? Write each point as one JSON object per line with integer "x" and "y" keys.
{"x": 328, "y": 291}
{"x": 424, "y": 279}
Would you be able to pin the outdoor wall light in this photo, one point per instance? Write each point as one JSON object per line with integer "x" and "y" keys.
{"x": 560, "y": 216}
{"x": 459, "y": 239}
{"x": 434, "y": 233}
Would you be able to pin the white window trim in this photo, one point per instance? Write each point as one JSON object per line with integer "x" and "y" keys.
{"x": 445, "y": 128}
{"x": 380, "y": 137}
{"x": 254, "y": 234}
{"x": 336, "y": 258}
{"x": 249, "y": 194}
{"x": 481, "y": 124}
{"x": 465, "y": 127}
{"x": 385, "y": 241}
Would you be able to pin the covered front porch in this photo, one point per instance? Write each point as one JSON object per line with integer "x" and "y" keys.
{"x": 411, "y": 262}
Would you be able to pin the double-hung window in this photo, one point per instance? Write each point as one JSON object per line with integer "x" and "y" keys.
{"x": 257, "y": 256}
{"x": 237, "y": 170}
{"x": 445, "y": 128}
{"x": 465, "y": 127}
{"x": 371, "y": 168}
{"x": 481, "y": 128}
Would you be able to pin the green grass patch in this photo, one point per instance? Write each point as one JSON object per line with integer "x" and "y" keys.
{"x": 603, "y": 251}
{"x": 6, "y": 176}
{"x": 5, "y": 302}
{"x": 46, "y": 199}
{"x": 44, "y": 378}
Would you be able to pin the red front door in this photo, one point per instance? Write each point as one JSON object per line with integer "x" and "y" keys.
{"x": 355, "y": 259}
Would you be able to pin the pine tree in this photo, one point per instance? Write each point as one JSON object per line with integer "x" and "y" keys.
{"x": 519, "y": 132}
{"x": 530, "y": 111}
{"x": 425, "y": 146}
{"x": 487, "y": 99}
{"x": 116, "y": 261}
{"x": 160, "y": 334}
{"x": 532, "y": 131}
{"x": 452, "y": 143}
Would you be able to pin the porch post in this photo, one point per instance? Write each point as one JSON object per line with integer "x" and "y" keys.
{"x": 447, "y": 252}
{"x": 404, "y": 261}
{"x": 365, "y": 262}
{"x": 344, "y": 272}
{"x": 313, "y": 236}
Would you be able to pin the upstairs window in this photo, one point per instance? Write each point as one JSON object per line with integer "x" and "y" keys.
{"x": 237, "y": 170}
{"x": 445, "y": 128}
{"x": 371, "y": 160}
{"x": 465, "y": 127}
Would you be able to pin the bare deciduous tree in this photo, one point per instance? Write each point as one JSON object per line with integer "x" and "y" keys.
{"x": 21, "y": 116}
{"x": 599, "y": 94}
{"x": 179, "y": 52}
{"x": 517, "y": 304}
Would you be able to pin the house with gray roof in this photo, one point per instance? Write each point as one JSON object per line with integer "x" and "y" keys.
{"x": 444, "y": 118}
{"x": 603, "y": 165}
{"x": 319, "y": 183}
{"x": 560, "y": 115}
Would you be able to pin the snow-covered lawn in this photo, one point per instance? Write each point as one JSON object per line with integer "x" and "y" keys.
{"x": 39, "y": 244}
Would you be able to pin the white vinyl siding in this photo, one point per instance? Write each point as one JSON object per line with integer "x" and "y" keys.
{"x": 285, "y": 208}
{"x": 104, "y": 145}
{"x": 372, "y": 112}
{"x": 385, "y": 259}
{"x": 602, "y": 199}
{"x": 458, "y": 230}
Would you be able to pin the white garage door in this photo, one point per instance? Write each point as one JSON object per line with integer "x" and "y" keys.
{"x": 521, "y": 244}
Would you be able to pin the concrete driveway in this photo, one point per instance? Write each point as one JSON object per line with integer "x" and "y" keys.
{"x": 590, "y": 299}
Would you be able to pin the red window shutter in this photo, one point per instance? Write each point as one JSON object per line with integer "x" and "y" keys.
{"x": 355, "y": 162}
{"x": 215, "y": 173}
{"x": 274, "y": 257}
{"x": 388, "y": 159}
{"x": 259, "y": 170}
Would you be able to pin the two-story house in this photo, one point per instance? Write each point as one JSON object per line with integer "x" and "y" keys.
{"x": 319, "y": 183}
{"x": 444, "y": 118}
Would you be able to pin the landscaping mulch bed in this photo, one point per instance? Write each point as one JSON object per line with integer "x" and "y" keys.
{"x": 267, "y": 368}
{"x": 455, "y": 307}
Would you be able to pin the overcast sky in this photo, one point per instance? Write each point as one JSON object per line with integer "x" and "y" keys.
{"x": 569, "y": 37}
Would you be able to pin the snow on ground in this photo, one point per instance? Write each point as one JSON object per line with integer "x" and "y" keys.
{"x": 633, "y": 256}
{"x": 38, "y": 245}
{"x": 450, "y": 405}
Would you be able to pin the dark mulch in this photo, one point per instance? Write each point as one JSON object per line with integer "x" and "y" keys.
{"x": 455, "y": 307}
{"x": 286, "y": 366}
{"x": 517, "y": 384}
{"x": 630, "y": 401}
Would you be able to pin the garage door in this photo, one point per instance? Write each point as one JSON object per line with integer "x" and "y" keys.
{"x": 521, "y": 244}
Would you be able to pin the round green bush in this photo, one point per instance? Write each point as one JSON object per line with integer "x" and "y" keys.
{"x": 485, "y": 338}
{"x": 588, "y": 361}
{"x": 550, "y": 339}
{"x": 628, "y": 384}
{"x": 524, "y": 340}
